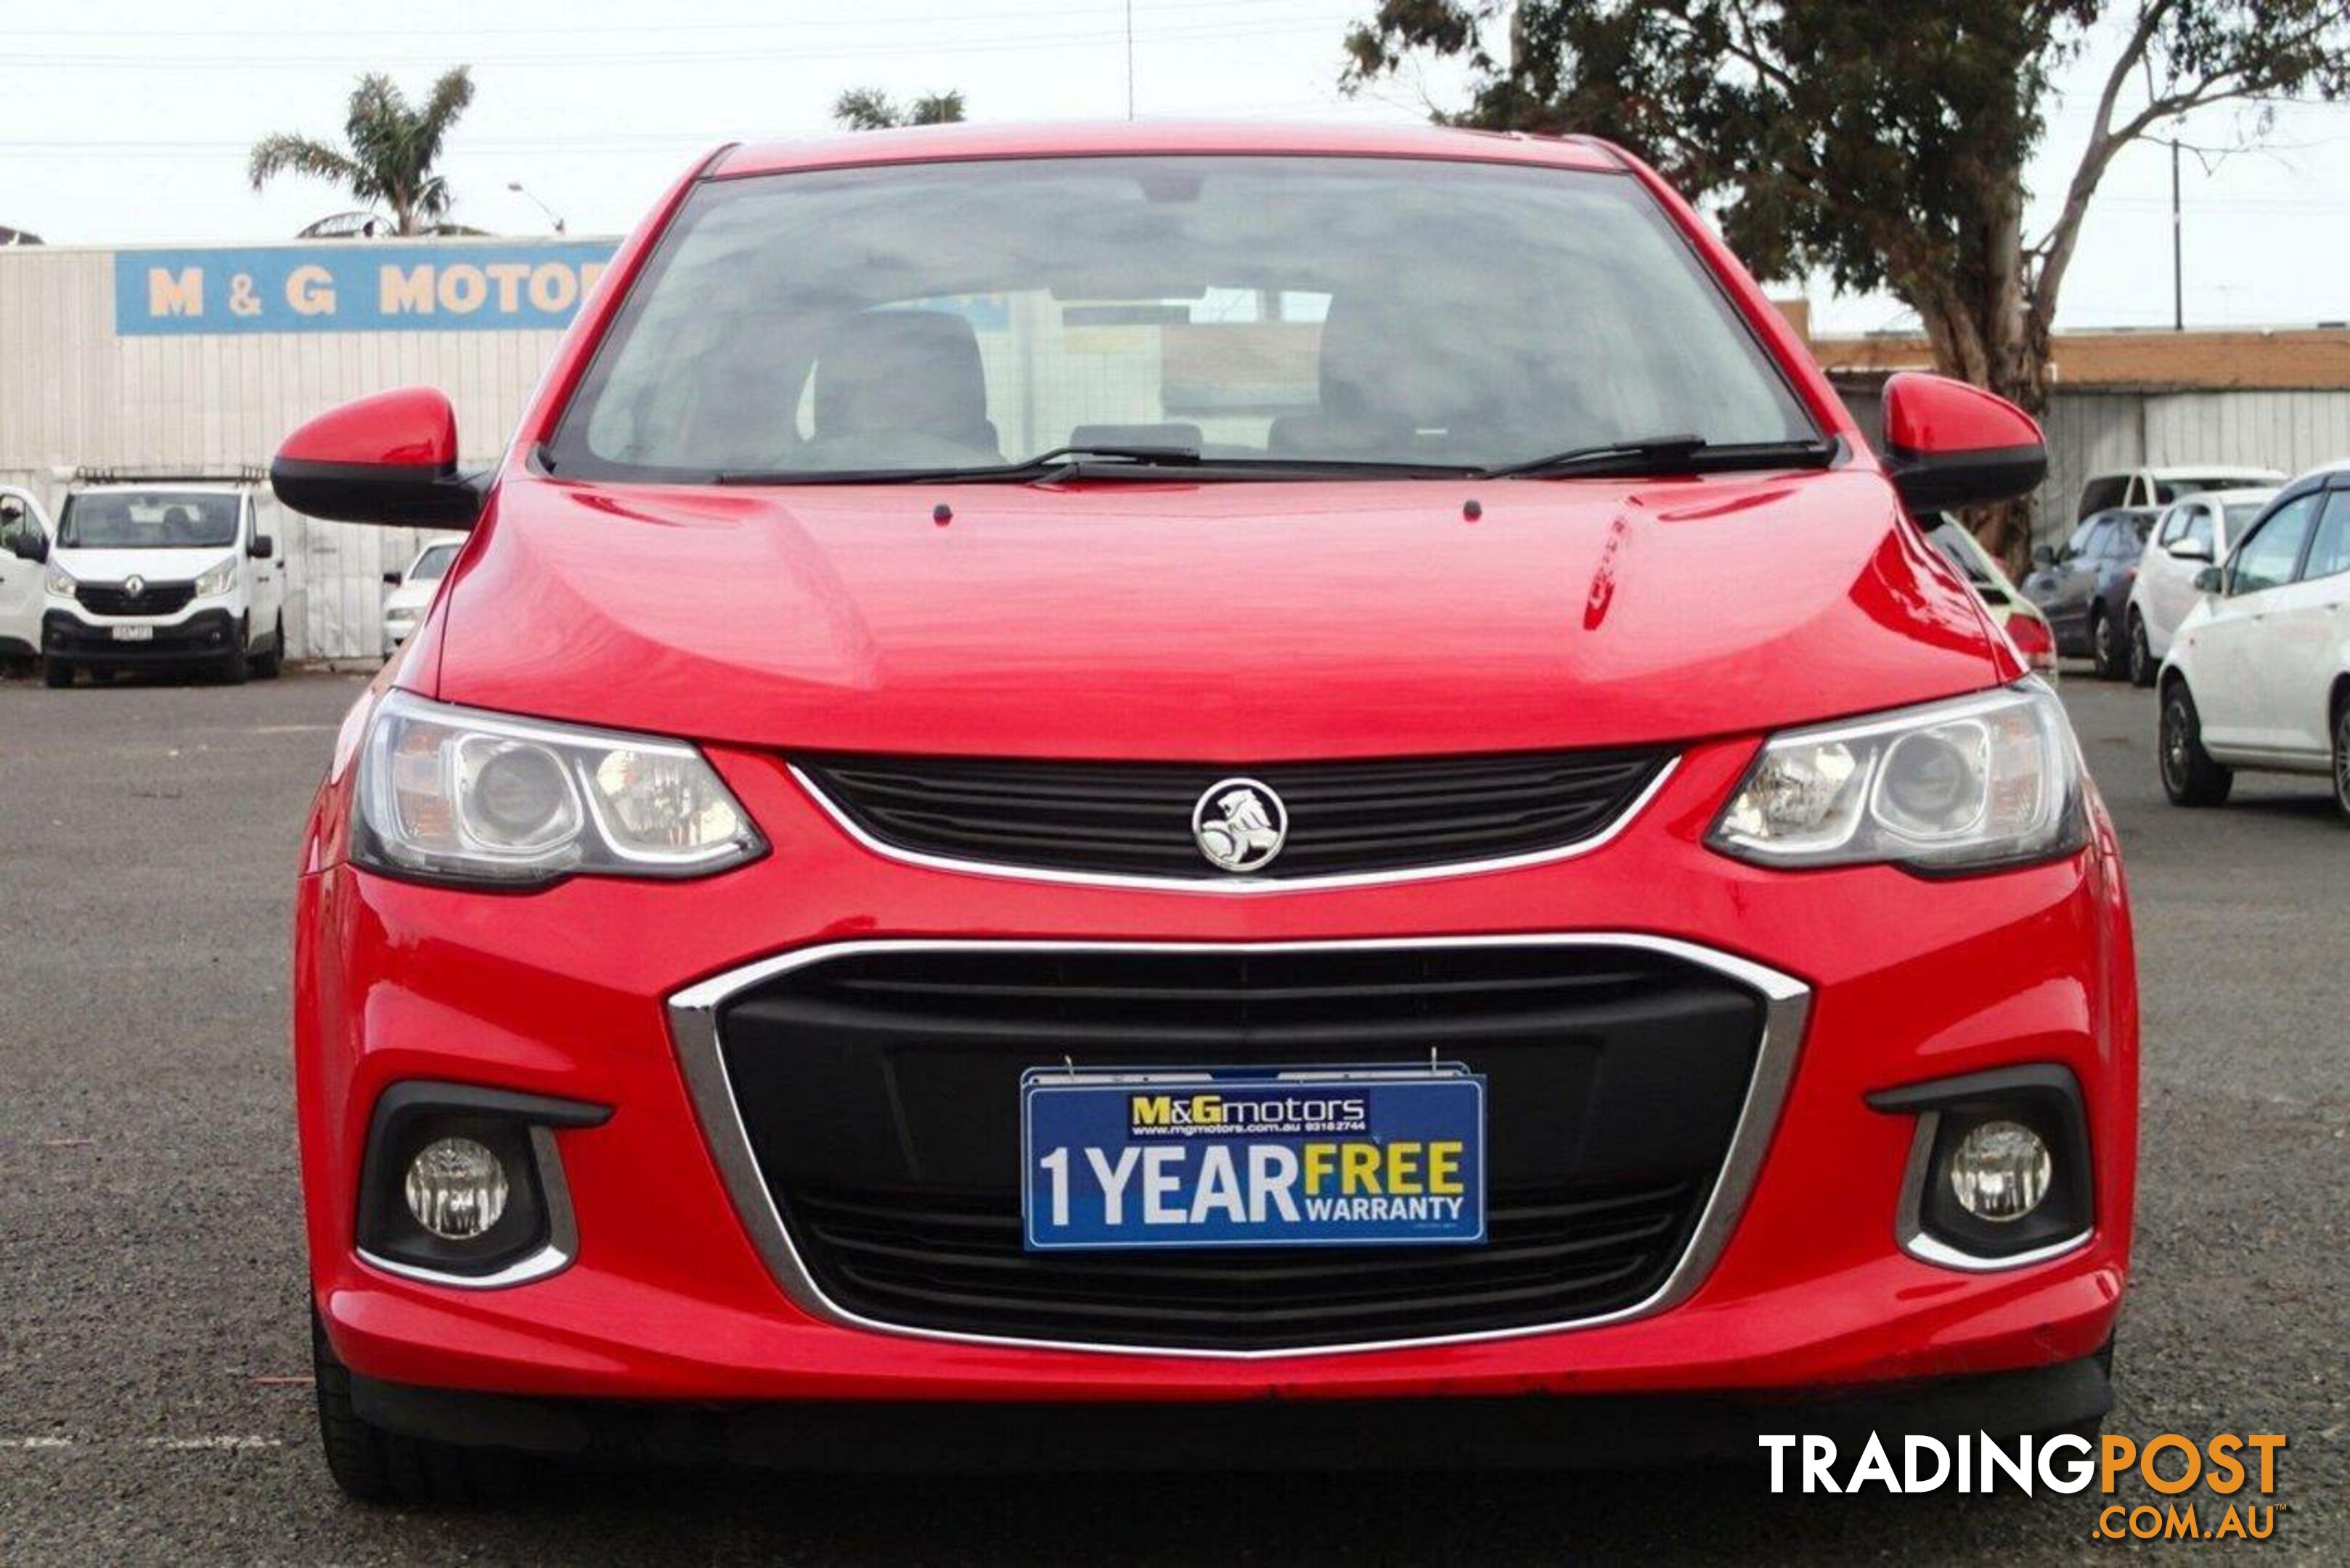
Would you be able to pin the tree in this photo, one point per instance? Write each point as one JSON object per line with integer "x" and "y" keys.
{"x": 392, "y": 150}
{"x": 1881, "y": 142}
{"x": 870, "y": 108}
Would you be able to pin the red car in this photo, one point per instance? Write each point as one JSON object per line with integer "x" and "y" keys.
{"x": 1106, "y": 795}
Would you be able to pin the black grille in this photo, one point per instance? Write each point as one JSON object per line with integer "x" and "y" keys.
{"x": 1135, "y": 818}
{"x": 153, "y": 598}
{"x": 880, "y": 1095}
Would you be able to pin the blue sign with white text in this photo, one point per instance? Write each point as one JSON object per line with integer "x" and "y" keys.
{"x": 356, "y": 285}
{"x": 1252, "y": 1157}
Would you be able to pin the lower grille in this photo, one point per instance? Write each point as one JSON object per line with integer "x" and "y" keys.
{"x": 955, "y": 1259}
{"x": 1134, "y": 819}
{"x": 154, "y": 599}
{"x": 879, "y": 1092}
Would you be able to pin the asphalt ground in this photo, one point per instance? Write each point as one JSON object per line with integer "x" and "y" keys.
{"x": 154, "y": 1403}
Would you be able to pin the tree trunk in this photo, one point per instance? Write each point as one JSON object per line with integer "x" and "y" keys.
{"x": 1984, "y": 329}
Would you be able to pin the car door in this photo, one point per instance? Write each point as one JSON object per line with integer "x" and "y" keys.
{"x": 2299, "y": 640}
{"x": 268, "y": 572}
{"x": 20, "y": 579}
{"x": 2232, "y": 649}
{"x": 2062, "y": 588}
{"x": 2165, "y": 581}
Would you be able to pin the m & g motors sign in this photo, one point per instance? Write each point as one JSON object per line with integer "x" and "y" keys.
{"x": 354, "y": 286}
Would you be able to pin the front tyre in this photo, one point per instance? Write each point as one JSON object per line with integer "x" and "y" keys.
{"x": 2341, "y": 754}
{"x": 2143, "y": 665}
{"x": 267, "y": 666}
{"x": 2106, "y": 646}
{"x": 2190, "y": 776}
{"x": 372, "y": 1465}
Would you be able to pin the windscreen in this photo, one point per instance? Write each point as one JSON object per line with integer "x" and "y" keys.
{"x": 147, "y": 520}
{"x": 432, "y": 565}
{"x": 1334, "y": 310}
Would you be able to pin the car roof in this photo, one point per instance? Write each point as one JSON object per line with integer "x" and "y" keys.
{"x": 943, "y": 143}
{"x": 146, "y": 486}
{"x": 2242, "y": 494}
{"x": 2192, "y": 471}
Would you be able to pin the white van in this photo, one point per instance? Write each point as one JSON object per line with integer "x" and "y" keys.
{"x": 164, "y": 571}
{"x": 24, "y": 545}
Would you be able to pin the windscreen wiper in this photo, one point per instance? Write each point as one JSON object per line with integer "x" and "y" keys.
{"x": 1668, "y": 454}
{"x": 1045, "y": 464}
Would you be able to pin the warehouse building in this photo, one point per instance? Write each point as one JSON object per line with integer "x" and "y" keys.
{"x": 198, "y": 360}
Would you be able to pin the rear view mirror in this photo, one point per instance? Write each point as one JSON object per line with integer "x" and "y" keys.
{"x": 1949, "y": 445}
{"x": 389, "y": 458}
{"x": 2043, "y": 556}
{"x": 2210, "y": 580}
{"x": 2190, "y": 550}
{"x": 29, "y": 546}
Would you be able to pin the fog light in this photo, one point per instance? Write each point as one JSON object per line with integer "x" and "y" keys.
{"x": 1999, "y": 1172}
{"x": 457, "y": 1188}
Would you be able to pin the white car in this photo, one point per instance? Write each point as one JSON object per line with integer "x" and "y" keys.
{"x": 24, "y": 547}
{"x": 412, "y": 590}
{"x": 2161, "y": 486}
{"x": 162, "y": 572}
{"x": 2191, "y": 536}
{"x": 2260, "y": 677}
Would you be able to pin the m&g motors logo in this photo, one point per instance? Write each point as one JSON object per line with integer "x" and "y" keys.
{"x": 2232, "y": 1476}
{"x": 1212, "y": 1115}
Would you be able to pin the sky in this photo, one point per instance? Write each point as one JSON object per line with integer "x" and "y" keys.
{"x": 127, "y": 122}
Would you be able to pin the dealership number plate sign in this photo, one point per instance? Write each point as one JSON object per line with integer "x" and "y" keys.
{"x": 1253, "y": 1158}
{"x": 134, "y": 633}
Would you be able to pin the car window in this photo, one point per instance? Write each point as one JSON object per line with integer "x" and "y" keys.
{"x": 2173, "y": 524}
{"x": 2100, "y": 494}
{"x": 1959, "y": 547}
{"x": 2172, "y": 489}
{"x": 2268, "y": 558}
{"x": 2241, "y": 516}
{"x": 432, "y": 565}
{"x": 147, "y": 520}
{"x": 2199, "y": 523}
{"x": 16, "y": 525}
{"x": 2084, "y": 541}
{"x": 1309, "y": 309}
{"x": 2329, "y": 552}
{"x": 2127, "y": 540}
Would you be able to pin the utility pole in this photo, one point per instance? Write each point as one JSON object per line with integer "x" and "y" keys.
{"x": 2178, "y": 249}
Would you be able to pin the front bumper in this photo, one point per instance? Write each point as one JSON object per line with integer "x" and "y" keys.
{"x": 564, "y": 993}
{"x": 201, "y": 634}
{"x": 1471, "y": 1433}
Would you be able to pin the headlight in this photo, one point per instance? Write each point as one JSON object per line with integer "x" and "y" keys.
{"x": 1983, "y": 781}
{"x": 220, "y": 579}
{"x": 62, "y": 584}
{"x": 454, "y": 795}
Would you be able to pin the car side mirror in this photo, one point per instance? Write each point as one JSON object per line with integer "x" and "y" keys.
{"x": 1949, "y": 445}
{"x": 2210, "y": 580}
{"x": 29, "y": 546}
{"x": 391, "y": 579}
{"x": 2190, "y": 550}
{"x": 2043, "y": 556}
{"x": 389, "y": 458}
{"x": 262, "y": 548}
